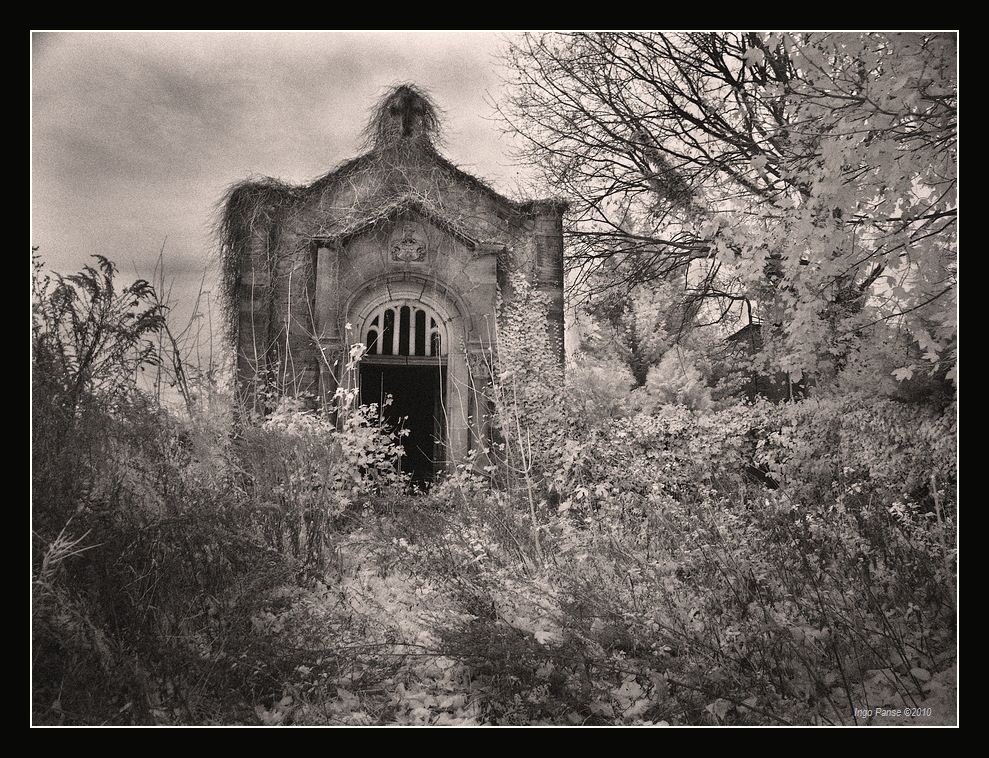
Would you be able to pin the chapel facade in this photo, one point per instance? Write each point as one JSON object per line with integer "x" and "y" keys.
{"x": 398, "y": 258}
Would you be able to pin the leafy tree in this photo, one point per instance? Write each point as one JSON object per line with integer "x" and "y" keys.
{"x": 807, "y": 181}
{"x": 676, "y": 380}
{"x": 630, "y": 327}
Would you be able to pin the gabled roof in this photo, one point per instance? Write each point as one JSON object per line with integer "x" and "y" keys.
{"x": 422, "y": 153}
{"x": 750, "y": 333}
{"x": 392, "y": 208}
{"x": 399, "y": 139}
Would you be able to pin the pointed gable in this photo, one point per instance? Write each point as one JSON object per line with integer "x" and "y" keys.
{"x": 397, "y": 244}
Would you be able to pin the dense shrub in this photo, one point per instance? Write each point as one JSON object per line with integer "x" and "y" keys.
{"x": 302, "y": 475}
{"x": 146, "y": 569}
{"x": 738, "y": 565}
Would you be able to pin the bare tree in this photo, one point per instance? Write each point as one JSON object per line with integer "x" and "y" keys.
{"x": 804, "y": 180}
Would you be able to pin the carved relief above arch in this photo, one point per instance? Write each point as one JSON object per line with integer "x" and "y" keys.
{"x": 409, "y": 241}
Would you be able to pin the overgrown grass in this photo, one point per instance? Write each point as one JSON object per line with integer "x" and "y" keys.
{"x": 758, "y": 565}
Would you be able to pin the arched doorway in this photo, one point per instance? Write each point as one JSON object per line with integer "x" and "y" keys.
{"x": 404, "y": 374}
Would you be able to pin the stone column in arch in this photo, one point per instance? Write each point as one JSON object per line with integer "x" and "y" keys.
{"x": 479, "y": 362}
{"x": 329, "y": 332}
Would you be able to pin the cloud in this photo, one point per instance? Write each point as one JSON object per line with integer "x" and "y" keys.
{"x": 136, "y": 136}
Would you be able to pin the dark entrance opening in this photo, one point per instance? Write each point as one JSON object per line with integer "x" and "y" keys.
{"x": 416, "y": 405}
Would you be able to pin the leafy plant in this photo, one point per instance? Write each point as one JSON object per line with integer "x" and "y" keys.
{"x": 806, "y": 182}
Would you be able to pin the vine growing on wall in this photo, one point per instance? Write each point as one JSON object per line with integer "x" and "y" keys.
{"x": 526, "y": 386}
{"x": 266, "y": 229}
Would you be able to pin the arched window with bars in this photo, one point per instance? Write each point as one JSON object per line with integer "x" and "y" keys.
{"x": 407, "y": 329}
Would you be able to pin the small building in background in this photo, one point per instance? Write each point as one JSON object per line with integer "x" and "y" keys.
{"x": 775, "y": 387}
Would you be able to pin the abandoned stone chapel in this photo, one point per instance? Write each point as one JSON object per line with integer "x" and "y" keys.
{"x": 403, "y": 255}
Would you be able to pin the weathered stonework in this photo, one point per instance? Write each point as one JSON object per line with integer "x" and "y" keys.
{"x": 402, "y": 251}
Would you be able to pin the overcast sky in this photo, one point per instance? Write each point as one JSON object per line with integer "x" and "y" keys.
{"x": 136, "y": 135}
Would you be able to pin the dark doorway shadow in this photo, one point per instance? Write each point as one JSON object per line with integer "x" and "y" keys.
{"x": 416, "y": 405}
